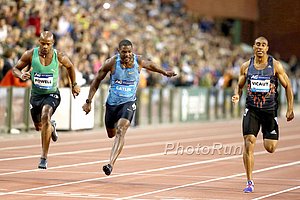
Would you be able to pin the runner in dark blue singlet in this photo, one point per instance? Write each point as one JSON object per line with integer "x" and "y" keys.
{"x": 261, "y": 73}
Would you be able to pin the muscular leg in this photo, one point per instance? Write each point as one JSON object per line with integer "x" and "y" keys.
{"x": 248, "y": 157}
{"x": 38, "y": 126}
{"x": 46, "y": 129}
{"x": 117, "y": 147}
{"x": 111, "y": 132}
{"x": 270, "y": 145}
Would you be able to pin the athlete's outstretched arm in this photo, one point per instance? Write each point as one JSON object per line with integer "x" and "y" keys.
{"x": 286, "y": 83}
{"x": 148, "y": 64}
{"x": 241, "y": 82}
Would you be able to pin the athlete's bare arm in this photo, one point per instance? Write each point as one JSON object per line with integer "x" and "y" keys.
{"x": 23, "y": 62}
{"x": 66, "y": 62}
{"x": 108, "y": 66}
{"x": 286, "y": 83}
{"x": 241, "y": 83}
{"x": 148, "y": 64}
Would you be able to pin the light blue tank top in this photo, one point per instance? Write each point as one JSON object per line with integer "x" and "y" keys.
{"x": 123, "y": 83}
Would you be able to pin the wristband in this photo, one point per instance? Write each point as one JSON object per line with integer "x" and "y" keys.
{"x": 74, "y": 84}
{"x": 88, "y": 101}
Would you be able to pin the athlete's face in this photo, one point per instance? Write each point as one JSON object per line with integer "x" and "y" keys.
{"x": 46, "y": 45}
{"x": 126, "y": 53}
{"x": 260, "y": 47}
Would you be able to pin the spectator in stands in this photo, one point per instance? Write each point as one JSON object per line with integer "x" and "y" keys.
{"x": 124, "y": 69}
{"x": 1, "y": 67}
{"x": 10, "y": 80}
{"x": 35, "y": 21}
{"x": 9, "y": 56}
{"x": 169, "y": 31}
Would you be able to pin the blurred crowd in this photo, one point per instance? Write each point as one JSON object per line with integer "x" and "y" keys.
{"x": 88, "y": 31}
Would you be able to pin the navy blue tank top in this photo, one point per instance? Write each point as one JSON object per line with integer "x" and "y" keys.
{"x": 262, "y": 86}
{"x": 123, "y": 83}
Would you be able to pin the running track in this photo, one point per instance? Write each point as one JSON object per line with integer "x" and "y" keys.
{"x": 148, "y": 168}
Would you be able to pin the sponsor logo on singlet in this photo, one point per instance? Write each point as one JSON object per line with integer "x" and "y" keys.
{"x": 260, "y": 83}
{"x": 43, "y": 81}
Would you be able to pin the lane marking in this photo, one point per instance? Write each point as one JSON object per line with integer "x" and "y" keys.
{"x": 209, "y": 180}
{"x": 279, "y": 192}
{"x": 147, "y": 134}
{"x": 102, "y": 161}
{"x": 128, "y": 146}
{"x": 120, "y": 159}
{"x": 140, "y": 145}
{"x": 60, "y": 194}
{"x": 165, "y": 168}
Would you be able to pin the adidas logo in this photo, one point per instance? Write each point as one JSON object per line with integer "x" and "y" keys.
{"x": 273, "y": 132}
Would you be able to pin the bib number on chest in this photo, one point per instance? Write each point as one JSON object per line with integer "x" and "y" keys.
{"x": 43, "y": 81}
{"x": 260, "y": 85}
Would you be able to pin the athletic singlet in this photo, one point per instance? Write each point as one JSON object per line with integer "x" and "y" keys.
{"x": 123, "y": 83}
{"x": 44, "y": 78}
{"x": 262, "y": 86}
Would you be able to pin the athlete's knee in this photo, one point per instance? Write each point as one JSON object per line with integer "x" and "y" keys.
{"x": 45, "y": 118}
{"x": 270, "y": 146}
{"x": 271, "y": 149}
{"x": 38, "y": 126}
{"x": 250, "y": 140}
{"x": 46, "y": 114}
{"x": 121, "y": 130}
{"x": 111, "y": 133}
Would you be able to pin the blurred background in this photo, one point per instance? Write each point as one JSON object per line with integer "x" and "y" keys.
{"x": 203, "y": 41}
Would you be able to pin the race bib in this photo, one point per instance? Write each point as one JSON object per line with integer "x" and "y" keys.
{"x": 260, "y": 84}
{"x": 43, "y": 81}
{"x": 124, "y": 88}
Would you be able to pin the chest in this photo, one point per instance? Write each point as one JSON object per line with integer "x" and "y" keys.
{"x": 45, "y": 61}
{"x": 126, "y": 73}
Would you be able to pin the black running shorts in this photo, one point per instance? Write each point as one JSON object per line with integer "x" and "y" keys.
{"x": 266, "y": 119}
{"x": 38, "y": 101}
{"x": 116, "y": 112}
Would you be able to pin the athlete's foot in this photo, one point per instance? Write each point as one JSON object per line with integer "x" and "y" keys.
{"x": 250, "y": 187}
{"x": 43, "y": 163}
{"x": 54, "y": 134}
{"x": 107, "y": 169}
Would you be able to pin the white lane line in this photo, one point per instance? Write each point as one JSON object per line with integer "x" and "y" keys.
{"x": 129, "y": 137}
{"x": 276, "y": 193}
{"x": 127, "y": 147}
{"x": 104, "y": 161}
{"x": 209, "y": 180}
{"x": 152, "y": 170}
{"x": 128, "y": 158}
{"x": 70, "y": 195}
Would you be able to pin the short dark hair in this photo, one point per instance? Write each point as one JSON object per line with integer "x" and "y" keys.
{"x": 125, "y": 42}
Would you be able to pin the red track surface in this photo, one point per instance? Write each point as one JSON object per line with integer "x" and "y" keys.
{"x": 145, "y": 170}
